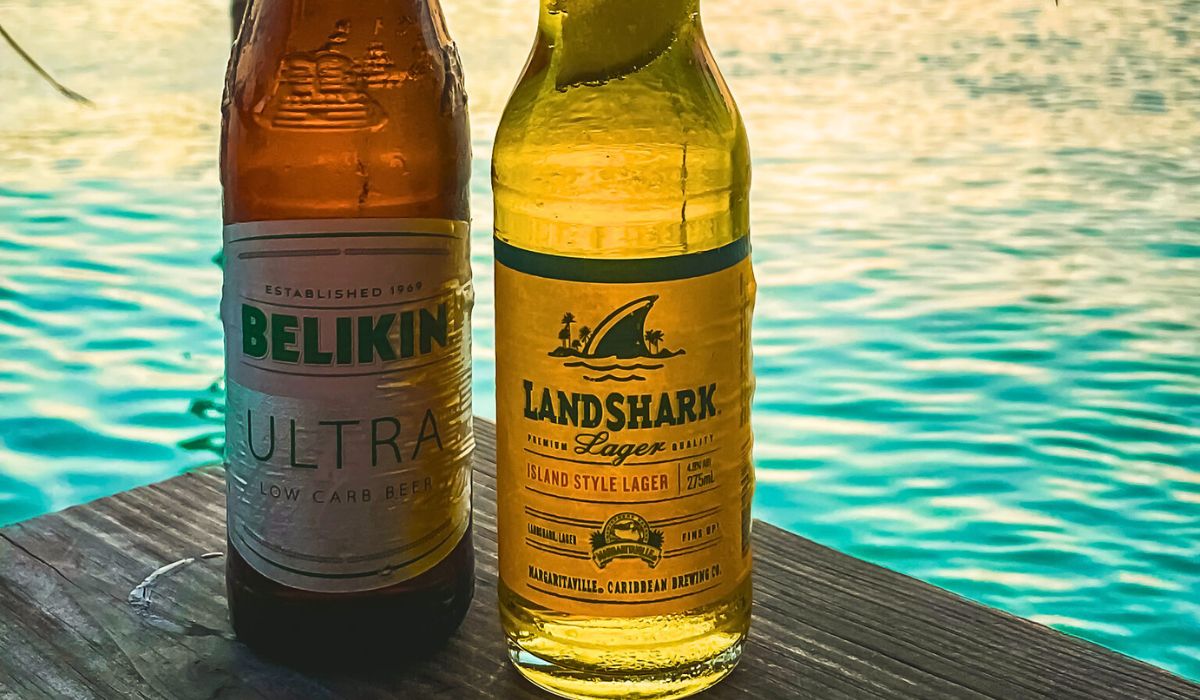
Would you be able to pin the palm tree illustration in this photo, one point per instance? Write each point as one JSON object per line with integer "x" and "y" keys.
{"x": 654, "y": 337}
{"x": 565, "y": 334}
{"x": 585, "y": 334}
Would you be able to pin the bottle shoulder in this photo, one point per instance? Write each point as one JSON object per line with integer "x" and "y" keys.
{"x": 654, "y": 163}
{"x": 346, "y": 115}
{"x": 680, "y": 98}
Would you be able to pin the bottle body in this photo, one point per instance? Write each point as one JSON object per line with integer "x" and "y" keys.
{"x": 347, "y": 300}
{"x": 624, "y": 294}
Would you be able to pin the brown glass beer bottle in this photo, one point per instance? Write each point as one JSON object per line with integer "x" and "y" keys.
{"x": 346, "y": 304}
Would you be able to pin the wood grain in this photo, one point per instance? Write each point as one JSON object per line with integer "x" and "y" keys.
{"x": 825, "y": 625}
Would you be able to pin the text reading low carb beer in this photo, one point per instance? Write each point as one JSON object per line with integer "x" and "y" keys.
{"x": 623, "y": 303}
{"x": 347, "y": 304}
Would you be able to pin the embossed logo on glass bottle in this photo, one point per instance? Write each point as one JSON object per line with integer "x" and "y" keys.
{"x": 329, "y": 89}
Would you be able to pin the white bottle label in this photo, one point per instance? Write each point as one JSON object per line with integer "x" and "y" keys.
{"x": 348, "y": 417}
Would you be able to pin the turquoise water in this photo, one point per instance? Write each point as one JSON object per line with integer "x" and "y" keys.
{"x": 977, "y": 235}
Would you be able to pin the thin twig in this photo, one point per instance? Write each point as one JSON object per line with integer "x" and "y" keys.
{"x": 66, "y": 91}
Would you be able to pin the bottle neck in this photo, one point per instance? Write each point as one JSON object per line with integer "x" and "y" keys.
{"x": 626, "y": 8}
{"x": 325, "y": 24}
{"x": 375, "y": 16}
{"x": 590, "y": 41}
{"x": 371, "y": 6}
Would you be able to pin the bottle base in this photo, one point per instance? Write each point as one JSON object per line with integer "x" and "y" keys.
{"x": 346, "y": 631}
{"x": 658, "y": 684}
{"x": 362, "y": 645}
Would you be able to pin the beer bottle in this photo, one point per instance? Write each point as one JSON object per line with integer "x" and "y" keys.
{"x": 346, "y": 306}
{"x": 623, "y": 303}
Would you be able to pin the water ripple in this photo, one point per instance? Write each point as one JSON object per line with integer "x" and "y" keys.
{"x": 977, "y": 238}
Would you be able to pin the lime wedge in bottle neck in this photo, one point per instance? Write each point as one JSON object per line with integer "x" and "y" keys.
{"x": 604, "y": 40}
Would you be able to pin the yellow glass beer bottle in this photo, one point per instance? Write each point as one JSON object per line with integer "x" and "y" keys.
{"x": 346, "y": 304}
{"x": 623, "y": 303}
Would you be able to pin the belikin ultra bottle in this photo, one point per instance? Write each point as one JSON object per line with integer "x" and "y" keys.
{"x": 347, "y": 304}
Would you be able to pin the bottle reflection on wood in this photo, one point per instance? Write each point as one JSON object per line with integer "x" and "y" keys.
{"x": 346, "y": 304}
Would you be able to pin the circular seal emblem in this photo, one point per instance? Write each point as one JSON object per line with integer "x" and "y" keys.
{"x": 627, "y": 536}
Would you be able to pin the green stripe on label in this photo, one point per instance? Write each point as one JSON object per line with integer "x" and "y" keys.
{"x": 622, "y": 270}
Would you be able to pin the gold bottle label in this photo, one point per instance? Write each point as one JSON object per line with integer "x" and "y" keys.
{"x": 624, "y": 438}
{"x": 348, "y": 416}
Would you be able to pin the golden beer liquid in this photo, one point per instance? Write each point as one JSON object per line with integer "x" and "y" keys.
{"x": 344, "y": 111}
{"x": 621, "y": 141}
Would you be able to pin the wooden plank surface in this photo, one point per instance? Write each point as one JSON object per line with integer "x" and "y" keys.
{"x": 825, "y": 626}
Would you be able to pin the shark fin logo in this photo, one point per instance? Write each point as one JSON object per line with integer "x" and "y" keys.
{"x": 627, "y": 536}
{"x": 616, "y": 348}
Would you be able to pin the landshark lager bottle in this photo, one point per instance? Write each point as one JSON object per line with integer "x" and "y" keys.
{"x": 623, "y": 303}
{"x": 346, "y": 305}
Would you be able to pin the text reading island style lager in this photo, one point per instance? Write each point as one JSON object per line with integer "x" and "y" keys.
{"x": 346, "y": 305}
{"x": 623, "y": 303}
